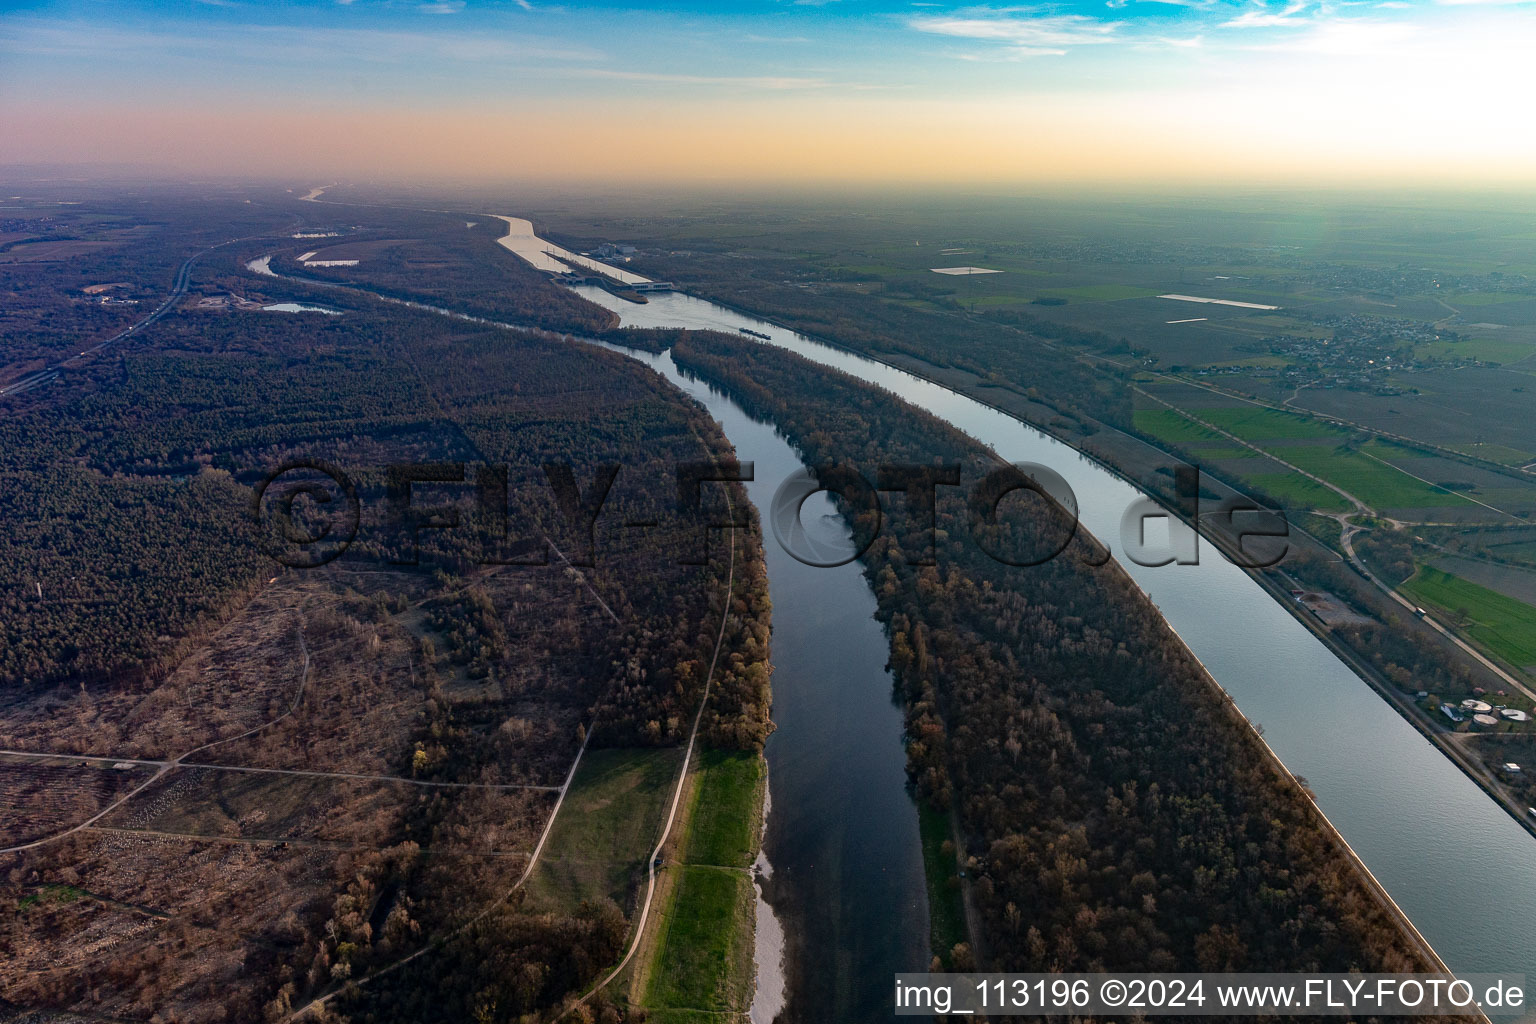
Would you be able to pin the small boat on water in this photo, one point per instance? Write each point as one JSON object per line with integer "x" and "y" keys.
{"x": 755, "y": 334}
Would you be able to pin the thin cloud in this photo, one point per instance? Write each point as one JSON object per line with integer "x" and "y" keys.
{"x": 1350, "y": 38}
{"x": 1013, "y": 53}
{"x": 1022, "y": 33}
{"x": 1262, "y": 17}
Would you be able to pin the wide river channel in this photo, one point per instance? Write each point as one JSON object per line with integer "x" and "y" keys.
{"x": 842, "y": 833}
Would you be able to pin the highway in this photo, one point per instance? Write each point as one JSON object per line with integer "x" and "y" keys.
{"x": 1347, "y": 540}
{"x": 178, "y": 289}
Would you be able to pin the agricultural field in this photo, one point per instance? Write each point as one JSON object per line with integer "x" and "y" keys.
{"x": 1378, "y": 484}
{"x": 1501, "y": 454}
{"x": 1470, "y": 406}
{"x": 1297, "y": 492}
{"x": 1511, "y": 493}
{"x": 1484, "y": 349}
{"x": 1522, "y": 551}
{"x": 1503, "y": 625}
{"x": 1256, "y": 423}
{"x": 51, "y": 252}
{"x": 1107, "y": 292}
{"x": 1168, "y": 425}
{"x": 1513, "y": 581}
{"x": 1219, "y": 452}
{"x": 1379, "y": 474}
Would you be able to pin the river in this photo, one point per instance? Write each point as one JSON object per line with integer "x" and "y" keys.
{"x": 1460, "y": 868}
{"x": 841, "y": 847}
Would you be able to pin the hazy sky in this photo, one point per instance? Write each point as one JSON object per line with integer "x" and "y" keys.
{"x": 794, "y": 91}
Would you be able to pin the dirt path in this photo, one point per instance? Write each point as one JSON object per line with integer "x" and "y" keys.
{"x": 1360, "y": 506}
{"x": 682, "y": 778}
{"x": 166, "y": 767}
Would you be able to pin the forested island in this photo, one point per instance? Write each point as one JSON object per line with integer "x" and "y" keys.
{"x": 1117, "y": 812}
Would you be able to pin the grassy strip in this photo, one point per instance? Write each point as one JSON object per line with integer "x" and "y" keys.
{"x": 698, "y": 962}
{"x": 946, "y": 910}
{"x": 726, "y": 818}
{"x": 704, "y": 954}
{"x": 1505, "y": 626}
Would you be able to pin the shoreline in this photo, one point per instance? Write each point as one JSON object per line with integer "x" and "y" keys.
{"x": 770, "y": 947}
{"x": 1352, "y": 661}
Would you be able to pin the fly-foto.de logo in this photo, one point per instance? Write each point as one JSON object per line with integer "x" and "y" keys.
{"x": 308, "y": 512}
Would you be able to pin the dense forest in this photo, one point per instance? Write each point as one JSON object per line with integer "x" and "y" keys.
{"x": 143, "y": 616}
{"x": 1117, "y": 811}
{"x": 75, "y": 274}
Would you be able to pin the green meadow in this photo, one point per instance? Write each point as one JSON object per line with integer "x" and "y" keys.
{"x": 703, "y": 947}
{"x": 1168, "y": 425}
{"x": 1378, "y": 484}
{"x": 1256, "y": 423}
{"x": 606, "y": 829}
{"x": 1297, "y": 492}
{"x": 1503, "y": 625}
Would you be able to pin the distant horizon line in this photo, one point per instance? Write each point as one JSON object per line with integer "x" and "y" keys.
{"x": 126, "y": 173}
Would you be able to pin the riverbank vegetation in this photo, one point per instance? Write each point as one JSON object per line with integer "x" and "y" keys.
{"x": 1118, "y": 813}
{"x": 942, "y": 875}
{"x": 701, "y": 955}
